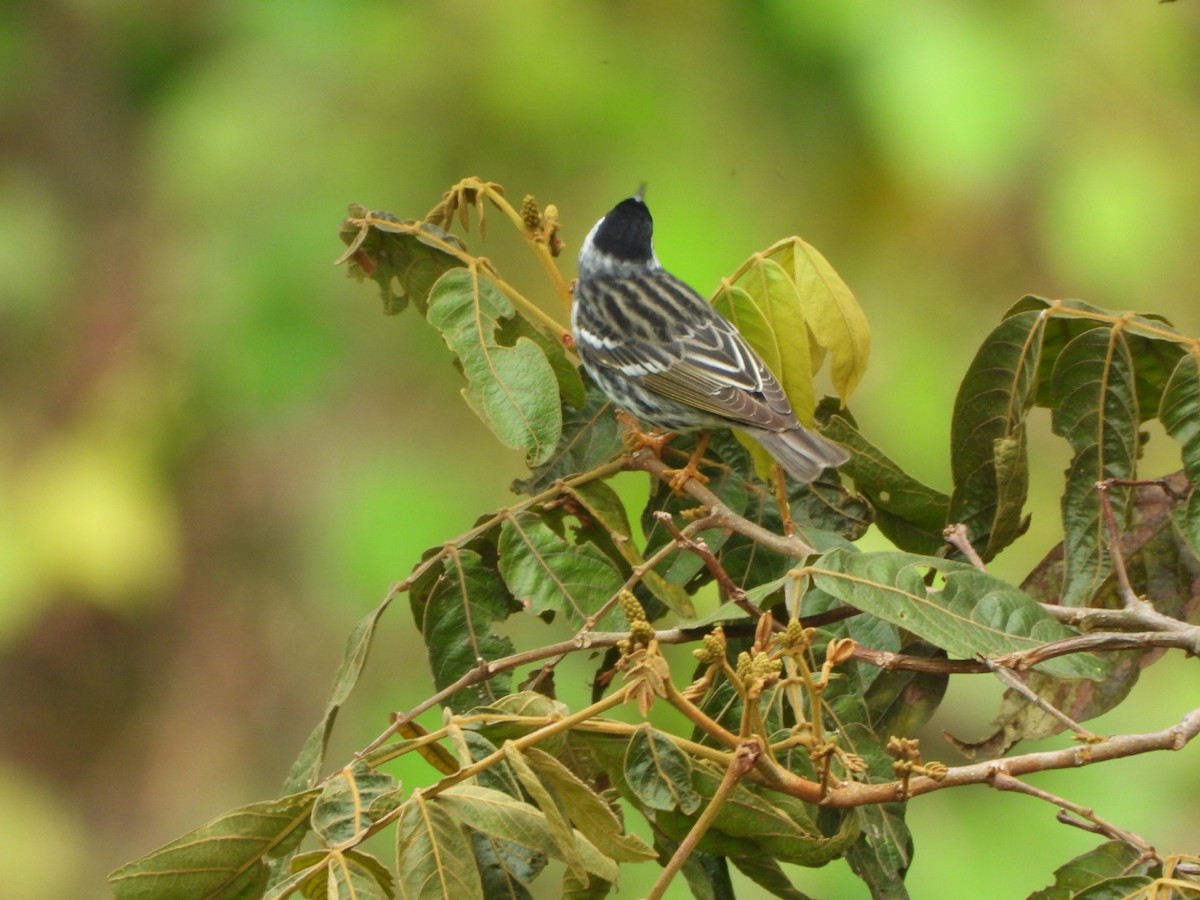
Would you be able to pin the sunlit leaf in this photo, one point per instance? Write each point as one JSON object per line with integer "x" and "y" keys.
{"x": 779, "y": 331}
{"x": 433, "y": 854}
{"x": 835, "y": 320}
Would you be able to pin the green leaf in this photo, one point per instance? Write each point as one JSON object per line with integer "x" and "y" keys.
{"x": 567, "y": 373}
{"x": 405, "y": 258}
{"x": 750, "y": 317}
{"x": 882, "y": 855}
{"x": 835, "y": 320}
{"x": 1098, "y": 414}
{"x": 1180, "y": 415}
{"x": 779, "y": 332}
{"x": 910, "y": 514}
{"x": 225, "y": 858}
{"x": 659, "y": 773}
{"x": 987, "y": 435}
{"x": 1160, "y": 565}
{"x": 972, "y": 613}
{"x": 348, "y": 803}
{"x": 606, "y": 512}
{"x": 505, "y": 867}
{"x": 547, "y": 573}
{"x": 455, "y": 611}
{"x": 352, "y": 874}
{"x": 587, "y": 811}
{"x": 1109, "y": 860}
{"x": 511, "y": 387}
{"x": 591, "y": 436}
{"x": 767, "y": 874}
{"x": 500, "y": 815}
{"x": 306, "y": 770}
{"x": 433, "y": 854}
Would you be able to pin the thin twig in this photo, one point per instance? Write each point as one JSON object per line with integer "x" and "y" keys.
{"x": 748, "y": 753}
{"x": 1010, "y": 680}
{"x": 1002, "y": 781}
{"x": 958, "y": 538}
{"x": 719, "y": 514}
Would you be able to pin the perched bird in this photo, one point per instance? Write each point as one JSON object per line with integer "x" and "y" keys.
{"x": 662, "y": 353}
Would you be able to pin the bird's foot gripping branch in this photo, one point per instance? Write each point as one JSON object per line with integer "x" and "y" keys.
{"x": 813, "y": 662}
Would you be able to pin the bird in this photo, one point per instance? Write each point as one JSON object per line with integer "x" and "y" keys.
{"x": 663, "y": 354}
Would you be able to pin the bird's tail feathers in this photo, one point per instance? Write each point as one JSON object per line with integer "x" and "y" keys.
{"x": 802, "y": 453}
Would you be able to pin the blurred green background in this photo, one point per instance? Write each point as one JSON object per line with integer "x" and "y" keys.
{"x": 216, "y": 454}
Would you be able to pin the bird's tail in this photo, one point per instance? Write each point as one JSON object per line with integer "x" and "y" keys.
{"x": 802, "y": 453}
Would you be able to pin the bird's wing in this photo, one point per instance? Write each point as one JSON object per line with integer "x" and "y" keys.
{"x": 698, "y": 358}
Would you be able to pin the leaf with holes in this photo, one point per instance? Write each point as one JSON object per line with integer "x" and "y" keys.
{"x": 512, "y": 387}
{"x": 548, "y": 573}
{"x": 972, "y": 613}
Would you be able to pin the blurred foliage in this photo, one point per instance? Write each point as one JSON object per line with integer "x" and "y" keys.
{"x": 213, "y": 453}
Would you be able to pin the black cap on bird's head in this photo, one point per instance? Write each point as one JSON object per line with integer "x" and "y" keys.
{"x": 622, "y": 239}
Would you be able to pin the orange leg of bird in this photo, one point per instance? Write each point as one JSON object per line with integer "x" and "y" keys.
{"x": 636, "y": 439}
{"x": 691, "y": 469}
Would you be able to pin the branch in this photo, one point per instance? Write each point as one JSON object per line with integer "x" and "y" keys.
{"x": 1091, "y": 822}
{"x": 718, "y": 513}
{"x": 1176, "y": 737}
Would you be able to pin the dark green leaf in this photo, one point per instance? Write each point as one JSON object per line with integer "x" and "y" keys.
{"x": 910, "y": 514}
{"x": 1180, "y": 415}
{"x": 767, "y": 874}
{"x": 1109, "y": 860}
{"x": 455, "y": 611}
{"x": 987, "y": 442}
{"x": 512, "y": 387}
{"x": 225, "y": 858}
{"x": 307, "y": 768}
{"x": 1097, "y": 413}
{"x": 609, "y": 525}
{"x": 404, "y": 258}
{"x": 972, "y": 613}
{"x": 1160, "y": 565}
